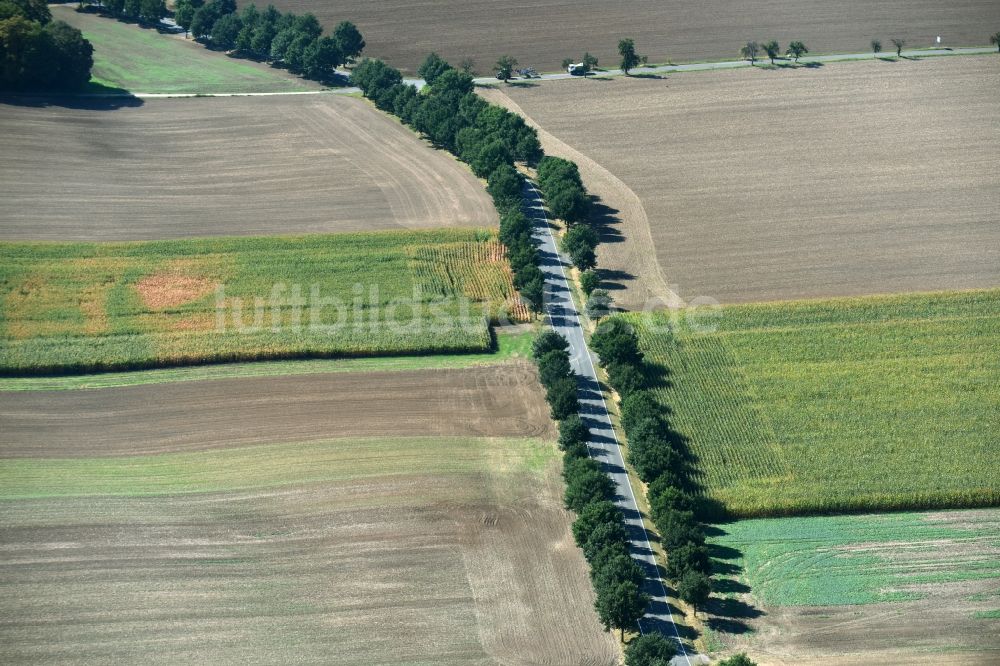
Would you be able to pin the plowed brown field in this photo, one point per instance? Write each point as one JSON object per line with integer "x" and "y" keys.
{"x": 412, "y": 532}
{"x": 224, "y": 166}
{"x": 499, "y": 401}
{"x": 543, "y": 32}
{"x": 855, "y": 178}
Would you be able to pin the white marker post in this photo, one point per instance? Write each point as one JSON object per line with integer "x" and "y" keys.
{"x": 939, "y": 41}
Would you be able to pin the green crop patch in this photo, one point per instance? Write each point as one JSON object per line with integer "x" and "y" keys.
{"x": 837, "y": 405}
{"x": 848, "y": 560}
{"x": 267, "y": 466}
{"x": 75, "y": 307}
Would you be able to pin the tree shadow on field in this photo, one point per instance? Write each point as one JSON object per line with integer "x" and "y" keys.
{"x": 728, "y": 608}
{"x": 648, "y": 75}
{"x": 605, "y": 220}
{"x": 83, "y": 102}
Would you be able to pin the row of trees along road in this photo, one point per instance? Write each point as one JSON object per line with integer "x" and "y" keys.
{"x": 37, "y": 53}
{"x": 289, "y": 40}
{"x": 659, "y": 457}
{"x": 488, "y": 138}
{"x": 144, "y": 11}
{"x": 752, "y": 50}
{"x": 599, "y": 527}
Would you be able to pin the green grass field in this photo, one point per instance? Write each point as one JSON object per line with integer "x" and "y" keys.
{"x": 839, "y": 405}
{"x": 848, "y": 560}
{"x": 142, "y": 60}
{"x": 77, "y": 307}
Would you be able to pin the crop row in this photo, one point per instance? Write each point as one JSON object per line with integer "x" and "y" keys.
{"x": 839, "y": 405}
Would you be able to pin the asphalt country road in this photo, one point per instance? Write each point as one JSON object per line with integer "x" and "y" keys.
{"x": 805, "y": 61}
{"x": 563, "y": 316}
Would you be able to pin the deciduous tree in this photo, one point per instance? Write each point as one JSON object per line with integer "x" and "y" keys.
{"x": 694, "y": 587}
{"x": 587, "y": 487}
{"x": 626, "y": 378}
{"x": 151, "y": 11}
{"x": 630, "y": 59}
{"x": 320, "y": 58}
{"x": 899, "y": 44}
{"x": 773, "y": 49}
{"x": 616, "y": 342}
{"x": 433, "y": 67}
{"x": 797, "y": 50}
{"x": 621, "y": 606}
{"x": 598, "y": 304}
{"x": 572, "y": 430}
{"x": 547, "y": 341}
{"x": 37, "y": 57}
{"x": 601, "y": 538}
{"x": 688, "y": 557}
{"x": 652, "y": 649}
{"x": 579, "y": 243}
{"x": 184, "y": 13}
{"x": 504, "y": 67}
{"x": 32, "y": 10}
{"x": 225, "y": 30}
{"x": 553, "y": 366}
{"x": 562, "y": 398}
{"x": 593, "y": 516}
{"x": 349, "y": 40}
{"x": 750, "y": 51}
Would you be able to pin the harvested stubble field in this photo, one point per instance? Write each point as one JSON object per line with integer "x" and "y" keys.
{"x": 105, "y": 306}
{"x": 504, "y": 400}
{"x": 422, "y": 550}
{"x": 141, "y": 60}
{"x": 850, "y": 179}
{"x": 889, "y": 589}
{"x": 543, "y": 32}
{"x": 841, "y": 405}
{"x": 224, "y": 166}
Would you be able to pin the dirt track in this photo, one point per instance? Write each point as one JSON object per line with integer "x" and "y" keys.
{"x": 503, "y": 400}
{"x": 224, "y": 166}
{"x": 849, "y": 179}
{"x": 543, "y": 32}
{"x": 627, "y": 268}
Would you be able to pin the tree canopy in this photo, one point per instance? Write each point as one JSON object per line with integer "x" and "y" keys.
{"x": 652, "y": 649}
{"x": 630, "y": 59}
{"x": 42, "y": 56}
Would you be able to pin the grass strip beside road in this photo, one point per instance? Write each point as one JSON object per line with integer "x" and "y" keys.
{"x": 509, "y": 345}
